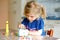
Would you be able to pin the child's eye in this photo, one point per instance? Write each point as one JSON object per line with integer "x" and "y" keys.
{"x": 31, "y": 16}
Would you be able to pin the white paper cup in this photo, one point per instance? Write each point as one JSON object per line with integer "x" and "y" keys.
{"x": 23, "y": 32}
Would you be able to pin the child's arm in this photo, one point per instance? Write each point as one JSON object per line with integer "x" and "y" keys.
{"x": 39, "y": 32}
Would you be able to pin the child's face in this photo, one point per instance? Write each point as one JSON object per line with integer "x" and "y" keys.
{"x": 31, "y": 17}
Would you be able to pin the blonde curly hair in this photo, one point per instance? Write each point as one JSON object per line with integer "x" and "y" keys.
{"x": 34, "y": 8}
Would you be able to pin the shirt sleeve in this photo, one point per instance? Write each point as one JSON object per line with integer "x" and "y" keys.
{"x": 40, "y": 24}
{"x": 25, "y": 21}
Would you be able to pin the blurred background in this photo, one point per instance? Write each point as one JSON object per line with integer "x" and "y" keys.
{"x": 12, "y": 10}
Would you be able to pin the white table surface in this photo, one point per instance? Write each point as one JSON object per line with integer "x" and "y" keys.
{"x": 45, "y": 38}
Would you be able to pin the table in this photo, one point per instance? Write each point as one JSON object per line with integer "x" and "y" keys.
{"x": 13, "y": 37}
{"x": 42, "y": 38}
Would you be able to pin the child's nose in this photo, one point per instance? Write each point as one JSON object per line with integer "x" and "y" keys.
{"x": 29, "y": 17}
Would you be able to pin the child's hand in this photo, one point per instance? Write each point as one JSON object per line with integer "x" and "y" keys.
{"x": 22, "y": 26}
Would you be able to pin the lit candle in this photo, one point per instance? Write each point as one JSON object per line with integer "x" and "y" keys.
{"x": 7, "y": 29}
